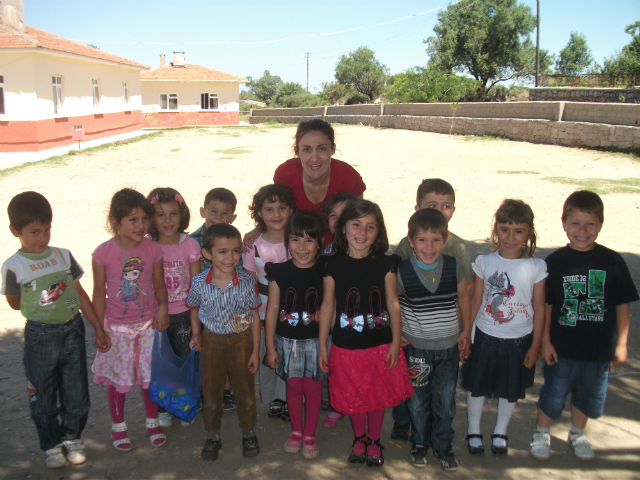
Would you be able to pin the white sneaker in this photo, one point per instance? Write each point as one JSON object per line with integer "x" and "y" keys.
{"x": 165, "y": 419}
{"x": 581, "y": 446}
{"x": 187, "y": 424}
{"x": 55, "y": 458}
{"x": 74, "y": 451}
{"x": 541, "y": 446}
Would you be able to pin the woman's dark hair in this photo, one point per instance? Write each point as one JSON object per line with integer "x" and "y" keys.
{"x": 515, "y": 211}
{"x": 166, "y": 195}
{"x": 123, "y": 203}
{"x": 332, "y": 202}
{"x": 272, "y": 193}
{"x": 355, "y": 209}
{"x": 305, "y": 223}
{"x": 316, "y": 125}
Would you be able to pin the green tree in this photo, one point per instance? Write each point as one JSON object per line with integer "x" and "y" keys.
{"x": 293, "y": 95}
{"x": 266, "y": 87}
{"x": 488, "y": 39}
{"x": 334, "y": 92}
{"x": 420, "y": 84}
{"x": 627, "y": 61}
{"x": 575, "y": 58}
{"x": 362, "y": 72}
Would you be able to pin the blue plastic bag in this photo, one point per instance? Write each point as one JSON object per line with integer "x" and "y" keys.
{"x": 175, "y": 383}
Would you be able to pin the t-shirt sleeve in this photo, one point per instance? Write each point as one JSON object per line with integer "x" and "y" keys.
{"x": 328, "y": 266}
{"x": 478, "y": 266}
{"x": 540, "y": 270}
{"x": 193, "y": 249}
{"x": 249, "y": 260}
{"x": 465, "y": 262}
{"x": 404, "y": 249}
{"x": 549, "y": 287}
{"x": 253, "y": 297}
{"x": 76, "y": 269}
{"x": 155, "y": 251}
{"x": 100, "y": 254}
{"x": 459, "y": 271}
{"x": 193, "y": 296}
{"x": 624, "y": 289}
{"x": 350, "y": 179}
{"x": 284, "y": 173}
{"x": 10, "y": 285}
{"x": 271, "y": 272}
{"x": 393, "y": 262}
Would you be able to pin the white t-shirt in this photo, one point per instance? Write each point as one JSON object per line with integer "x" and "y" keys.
{"x": 507, "y": 297}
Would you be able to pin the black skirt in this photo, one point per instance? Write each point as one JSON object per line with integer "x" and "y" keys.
{"x": 496, "y": 368}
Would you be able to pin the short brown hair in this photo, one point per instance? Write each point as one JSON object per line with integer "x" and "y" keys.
{"x": 219, "y": 230}
{"x": 428, "y": 219}
{"x": 27, "y": 207}
{"x": 222, "y": 195}
{"x": 435, "y": 185}
{"x": 585, "y": 201}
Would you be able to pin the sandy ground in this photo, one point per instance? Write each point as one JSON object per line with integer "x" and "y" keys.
{"x": 392, "y": 163}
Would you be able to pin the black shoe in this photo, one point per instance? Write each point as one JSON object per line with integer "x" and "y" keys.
{"x": 375, "y": 461}
{"x": 499, "y": 450}
{"x": 250, "y": 447}
{"x": 400, "y": 431}
{"x": 285, "y": 413}
{"x": 228, "y": 401}
{"x": 474, "y": 450}
{"x": 419, "y": 455}
{"x": 211, "y": 449}
{"x": 275, "y": 408}
{"x": 447, "y": 460}
{"x": 358, "y": 459}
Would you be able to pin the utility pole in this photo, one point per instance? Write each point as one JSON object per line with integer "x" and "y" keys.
{"x": 537, "y": 41}
{"x": 308, "y": 53}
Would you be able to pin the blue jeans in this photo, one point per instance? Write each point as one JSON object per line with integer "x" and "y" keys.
{"x": 434, "y": 374}
{"x": 55, "y": 358}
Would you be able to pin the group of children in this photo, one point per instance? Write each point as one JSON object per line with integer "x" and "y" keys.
{"x": 385, "y": 330}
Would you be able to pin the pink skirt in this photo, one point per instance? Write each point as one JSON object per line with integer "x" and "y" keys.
{"x": 360, "y": 381}
{"x": 128, "y": 362}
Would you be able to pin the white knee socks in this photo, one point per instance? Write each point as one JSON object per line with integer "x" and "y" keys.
{"x": 505, "y": 410}
{"x": 474, "y": 415}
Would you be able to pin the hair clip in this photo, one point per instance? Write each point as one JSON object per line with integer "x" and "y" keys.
{"x": 155, "y": 199}
{"x": 178, "y": 198}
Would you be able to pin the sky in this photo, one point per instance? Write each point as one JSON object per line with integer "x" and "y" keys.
{"x": 281, "y": 32}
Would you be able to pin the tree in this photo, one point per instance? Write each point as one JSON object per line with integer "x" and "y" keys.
{"x": 293, "y": 95}
{"x": 363, "y": 72}
{"x": 266, "y": 87}
{"x": 626, "y": 62}
{"x": 488, "y": 39}
{"x": 334, "y": 92}
{"x": 575, "y": 58}
{"x": 420, "y": 84}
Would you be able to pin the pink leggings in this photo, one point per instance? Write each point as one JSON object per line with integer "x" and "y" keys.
{"x": 116, "y": 404}
{"x": 359, "y": 424}
{"x": 312, "y": 391}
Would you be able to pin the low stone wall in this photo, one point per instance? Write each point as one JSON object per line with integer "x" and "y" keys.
{"x": 574, "y": 94}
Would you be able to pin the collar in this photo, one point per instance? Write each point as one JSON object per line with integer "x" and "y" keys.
{"x": 209, "y": 278}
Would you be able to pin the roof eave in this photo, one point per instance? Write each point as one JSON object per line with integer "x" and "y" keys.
{"x": 49, "y": 51}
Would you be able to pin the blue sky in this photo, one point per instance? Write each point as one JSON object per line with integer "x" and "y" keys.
{"x": 143, "y": 29}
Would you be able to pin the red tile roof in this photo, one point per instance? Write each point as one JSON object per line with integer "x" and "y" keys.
{"x": 191, "y": 72}
{"x": 32, "y": 38}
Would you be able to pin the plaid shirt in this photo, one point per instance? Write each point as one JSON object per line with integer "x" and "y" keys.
{"x": 224, "y": 310}
{"x": 205, "y": 264}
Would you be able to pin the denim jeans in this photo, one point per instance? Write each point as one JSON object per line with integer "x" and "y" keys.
{"x": 55, "y": 358}
{"x": 434, "y": 374}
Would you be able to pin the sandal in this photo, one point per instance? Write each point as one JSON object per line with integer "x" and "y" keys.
{"x": 275, "y": 408}
{"x": 375, "y": 461}
{"x": 358, "y": 459}
{"x": 310, "y": 447}
{"x": 499, "y": 450}
{"x": 250, "y": 447}
{"x": 156, "y": 439}
{"x": 331, "y": 420}
{"x": 210, "y": 450}
{"x": 474, "y": 450}
{"x": 293, "y": 444}
{"x": 121, "y": 444}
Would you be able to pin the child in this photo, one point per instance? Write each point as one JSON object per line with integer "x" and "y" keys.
{"x": 360, "y": 289}
{"x": 219, "y": 207}
{"x": 331, "y": 213}
{"x": 271, "y": 208}
{"x": 432, "y": 289}
{"x": 226, "y": 301}
{"x": 128, "y": 269}
{"x": 295, "y": 296}
{"x": 508, "y": 306}
{"x": 587, "y": 324}
{"x": 437, "y": 194}
{"x": 181, "y": 261}
{"x": 44, "y": 284}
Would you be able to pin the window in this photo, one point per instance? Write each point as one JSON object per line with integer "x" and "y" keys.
{"x": 1, "y": 94}
{"x": 125, "y": 85}
{"x": 168, "y": 101}
{"x": 56, "y": 84}
{"x": 209, "y": 101}
{"x": 96, "y": 93}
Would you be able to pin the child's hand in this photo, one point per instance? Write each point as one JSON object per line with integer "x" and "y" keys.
{"x": 103, "y": 342}
{"x": 272, "y": 359}
{"x": 464, "y": 354}
{"x": 548, "y": 352}
{"x": 403, "y": 342}
{"x": 195, "y": 341}
{"x": 464, "y": 342}
{"x": 161, "y": 320}
{"x": 254, "y": 362}
{"x": 621, "y": 355}
{"x": 249, "y": 239}
{"x": 392, "y": 357}
{"x": 323, "y": 359}
{"x": 531, "y": 357}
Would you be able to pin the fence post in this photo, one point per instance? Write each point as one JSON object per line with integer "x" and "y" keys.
{"x": 381, "y": 108}
{"x": 324, "y": 115}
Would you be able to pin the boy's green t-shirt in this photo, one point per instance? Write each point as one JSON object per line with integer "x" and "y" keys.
{"x": 45, "y": 283}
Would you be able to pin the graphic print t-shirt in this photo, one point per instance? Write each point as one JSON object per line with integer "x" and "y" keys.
{"x": 176, "y": 260}
{"x": 584, "y": 289}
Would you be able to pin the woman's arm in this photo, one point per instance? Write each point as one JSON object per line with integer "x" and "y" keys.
{"x": 539, "y": 313}
{"x": 161, "y": 319}
{"x": 271, "y": 319}
{"x": 393, "y": 307}
{"x": 327, "y": 309}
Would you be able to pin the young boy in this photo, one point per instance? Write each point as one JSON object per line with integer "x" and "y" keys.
{"x": 588, "y": 293}
{"x": 431, "y": 290}
{"x": 44, "y": 284}
{"x": 226, "y": 301}
{"x": 437, "y": 194}
{"x": 219, "y": 207}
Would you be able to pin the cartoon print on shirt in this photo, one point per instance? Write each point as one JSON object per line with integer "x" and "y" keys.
{"x": 131, "y": 272}
{"x": 500, "y": 290}
{"x": 589, "y": 309}
{"x": 175, "y": 280}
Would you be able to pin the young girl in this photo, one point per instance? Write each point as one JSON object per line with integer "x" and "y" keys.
{"x": 271, "y": 208}
{"x": 181, "y": 259}
{"x": 331, "y": 213}
{"x": 508, "y": 306}
{"x": 291, "y": 327}
{"x": 128, "y": 268}
{"x": 368, "y": 370}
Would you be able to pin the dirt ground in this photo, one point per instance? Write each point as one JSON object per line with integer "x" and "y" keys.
{"x": 392, "y": 163}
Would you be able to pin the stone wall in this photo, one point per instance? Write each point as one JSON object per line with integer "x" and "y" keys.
{"x": 574, "y": 94}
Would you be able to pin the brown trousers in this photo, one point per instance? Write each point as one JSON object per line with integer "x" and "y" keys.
{"x": 222, "y": 355}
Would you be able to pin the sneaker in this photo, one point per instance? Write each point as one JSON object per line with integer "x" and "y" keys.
{"x": 419, "y": 455}
{"x": 55, "y": 458}
{"x": 540, "y": 446}
{"x": 165, "y": 419}
{"x": 210, "y": 450}
{"x": 228, "y": 401}
{"x": 447, "y": 460}
{"x": 74, "y": 451}
{"x": 400, "y": 431}
{"x": 581, "y": 446}
{"x": 187, "y": 424}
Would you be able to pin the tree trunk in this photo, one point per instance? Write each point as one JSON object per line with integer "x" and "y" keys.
{"x": 482, "y": 92}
